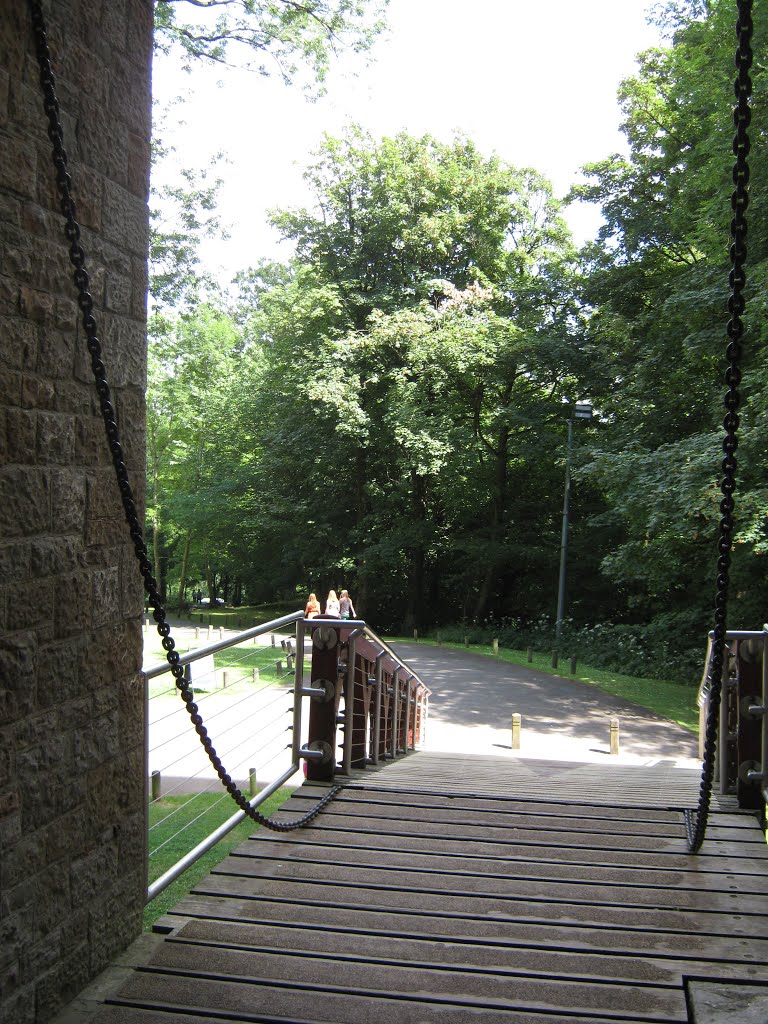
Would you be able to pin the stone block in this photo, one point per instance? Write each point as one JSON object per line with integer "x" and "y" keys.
{"x": 55, "y": 439}
{"x": 25, "y": 858}
{"x": 20, "y": 1007}
{"x": 54, "y": 989}
{"x": 94, "y": 874}
{"x": 36, "y": 610}
{"x": 125, "y": 219}
{"x": 72, "y": 604}
{"x": 57, "y": 356}
{"x": 138, "y": 166}
{"x": 106, "y": 596}
{"x": 96, "y": 742}
{"x": 10, "y": 831}
{"x": 10, "y": 387}
{"x": 37, "y": 306}
{"x": 9, "y": 979}
{"x": 20, "y": 436}
{"x": 25, "y": 501}
{"x": 18, "y": 343}
{"x": 5, "y": 80}
{"x": 37, "y": 392}
{"x": 68, "y": 501}
{"x": 54, "y": 557}
{"x": 19, "y": 660}
{"x": 18, "y": 166}
{"x": 58, "y": 677}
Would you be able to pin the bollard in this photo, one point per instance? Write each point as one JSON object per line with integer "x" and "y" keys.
{"x": 279, "y": 667}
{"x": 516, "y": 720}
{"x": 197, "y": 632}
{"x": 554, "y": 659}
{"x": 146, "y": 625}
{"x": 224, "y": 679}
{"x": 573, "y": 664}
{"x": 156, "y": 781}
{"x": 252, "y": 785}
{"x": 255, "y": 675}
{"x": 439, "y": 638}
{"x": 614, "y": 736}
{"x": 415, "y": 634}
{"x": 274, "y": 642}
{"x": 495, "y": 645}
{"x": 221, "y": 632}
{"x": 210, "y": 628}
{"x": 530, "y": 654}
{"x": 466, "y": 641}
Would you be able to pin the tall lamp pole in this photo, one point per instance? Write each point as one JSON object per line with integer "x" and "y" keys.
{"x": 580, "y": 411}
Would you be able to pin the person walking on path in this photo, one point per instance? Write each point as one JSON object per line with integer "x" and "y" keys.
{"x": 346, "y": 608}
{"x": 332, "y": 605}
{"x": 313, "y": 607}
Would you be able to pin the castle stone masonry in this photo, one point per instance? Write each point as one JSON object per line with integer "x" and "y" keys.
{"x": 72, "y": 732}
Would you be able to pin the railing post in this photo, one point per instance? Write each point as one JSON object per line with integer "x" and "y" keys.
{"x": 749, "y": 730}
{"x": 322, "y": 714}
{"x": 407, "y": 732}
{"x": 395, "y": 717}
{"x": 378, "y": 675}
{"x": 349, "y": 705}
{"x": 298, "y": 678}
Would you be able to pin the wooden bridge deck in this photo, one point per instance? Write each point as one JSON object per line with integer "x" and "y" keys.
{"x": 483, "y": 890}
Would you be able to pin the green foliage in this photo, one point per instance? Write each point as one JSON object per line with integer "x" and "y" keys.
{"x": 269, "y": 37}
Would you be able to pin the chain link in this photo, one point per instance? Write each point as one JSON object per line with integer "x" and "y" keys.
{"x": 696, "y": 822}
{"x": 85, "y": 303}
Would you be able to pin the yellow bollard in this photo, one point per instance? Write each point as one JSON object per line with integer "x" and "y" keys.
{"x": 614, "y": 736}
{"x": 495, "y": 646}
{"x": 516, "y": 722}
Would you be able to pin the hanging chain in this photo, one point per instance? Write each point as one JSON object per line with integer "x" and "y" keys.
{"x": 696, "y": 824}
{"x": 85, "y": 302}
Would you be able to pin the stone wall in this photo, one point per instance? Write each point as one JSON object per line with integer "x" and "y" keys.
{"x": 72, "y": 797}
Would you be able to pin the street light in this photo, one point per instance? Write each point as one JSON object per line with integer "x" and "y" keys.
{"x": 580, "y": 411}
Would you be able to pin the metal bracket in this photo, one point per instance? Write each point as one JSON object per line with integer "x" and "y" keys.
{"x": 749, "y": 710}
{"x": 751, "y": 772}
{"x": 321, "y": 691}
{"x": 318, "y": 751}
{"x": 324, "y": 638}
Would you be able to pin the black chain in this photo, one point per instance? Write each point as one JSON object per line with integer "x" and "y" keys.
{"x": 85, "y": 302}
{"x": 696, "y": 824}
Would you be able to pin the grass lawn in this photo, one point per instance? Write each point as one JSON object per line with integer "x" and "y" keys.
{"x": 669, "y": 699}
{"x": 217, "y": 811}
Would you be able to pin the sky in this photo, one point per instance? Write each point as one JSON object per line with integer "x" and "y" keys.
{"x": 534, "y": 83}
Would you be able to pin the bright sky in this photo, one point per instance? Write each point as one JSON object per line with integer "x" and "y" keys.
{"x": 534, "y": 82}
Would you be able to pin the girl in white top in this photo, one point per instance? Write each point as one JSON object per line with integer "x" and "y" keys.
{"x": 332, "y": 605}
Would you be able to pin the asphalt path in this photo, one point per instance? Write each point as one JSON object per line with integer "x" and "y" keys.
{"x": 474, "y": 697}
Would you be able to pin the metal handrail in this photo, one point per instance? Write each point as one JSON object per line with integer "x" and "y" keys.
{"x": 357, "y": 628}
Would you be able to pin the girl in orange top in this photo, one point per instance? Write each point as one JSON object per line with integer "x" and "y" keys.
{"x": 313, "y": 607}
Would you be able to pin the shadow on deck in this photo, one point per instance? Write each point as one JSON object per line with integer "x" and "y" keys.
{"x": 466, "y": 889}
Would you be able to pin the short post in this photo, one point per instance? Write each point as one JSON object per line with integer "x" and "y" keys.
{"x": 439, "y": 637}
{"x": 554, "y": 659}
{"x": 224, "y": 678}
{"x": 197, "y": 632}
{"x": 156, "y": 781}
{"x": 573, "y": 664}
{"x": 614, "y": 736}
{"x": 516, "y": 721}
{"x": 466, "y": 641}
{"x": 146, "y": 625}
{"x": 495, "y": 645}
{"x": 255, "y": 675}
{"x": 221, "y": 632}
{"x": 274, "y": 641}
{"x": 252, "y": 785}
{"x": 239, "y": 622}
{"x": 530, "y": 654}
{"x": 210, "y": 629}
{"x": 415, "y": 634}
{"x": 279, "y": 667}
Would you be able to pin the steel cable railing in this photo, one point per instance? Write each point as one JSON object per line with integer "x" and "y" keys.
{"x": 369, "y": 722}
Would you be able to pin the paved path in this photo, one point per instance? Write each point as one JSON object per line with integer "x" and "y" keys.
{"x": 474, "y": 698}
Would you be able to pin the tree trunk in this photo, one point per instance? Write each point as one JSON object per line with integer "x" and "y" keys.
{"x": 183, "y": 580}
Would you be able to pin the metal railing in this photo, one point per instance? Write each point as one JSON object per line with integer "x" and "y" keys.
{"x": 741, "y": 765}
{"x": 364, "y": 699}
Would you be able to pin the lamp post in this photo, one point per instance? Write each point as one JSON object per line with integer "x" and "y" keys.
{"x": 580, "y": 411}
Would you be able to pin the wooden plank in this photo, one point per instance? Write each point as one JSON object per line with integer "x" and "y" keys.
{"x": 739, "y": 950}
{"x": 310, "y": 855}
{"x": 441, "y": 891}
{"x": 680, "y": 917}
